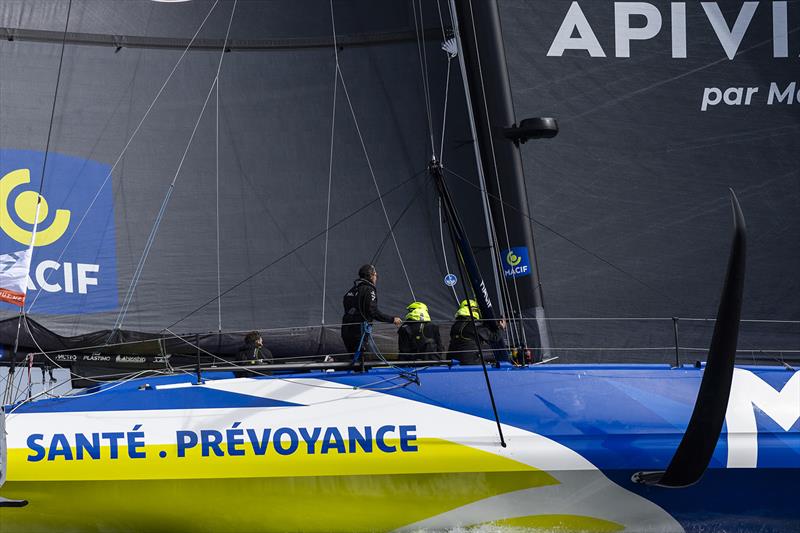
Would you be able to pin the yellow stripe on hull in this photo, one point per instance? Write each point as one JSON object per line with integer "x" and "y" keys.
{"x": 311, "y": 503}
{"x": 559, "y": 523}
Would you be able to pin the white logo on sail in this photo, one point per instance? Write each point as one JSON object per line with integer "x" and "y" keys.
{"x": 748, "y": 392}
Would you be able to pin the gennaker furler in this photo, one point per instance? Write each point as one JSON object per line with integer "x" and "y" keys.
{"x": 188, "y": 439}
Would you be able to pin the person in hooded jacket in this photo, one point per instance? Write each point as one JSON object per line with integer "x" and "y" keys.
{"x": 463, "y": 339}
{"x": 361, "y": 306}
{"x": 254, "y": 350}
{"x": 418, "y": 337}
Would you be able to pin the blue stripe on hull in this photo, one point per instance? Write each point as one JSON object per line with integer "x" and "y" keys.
{"x": 728, "y": 500}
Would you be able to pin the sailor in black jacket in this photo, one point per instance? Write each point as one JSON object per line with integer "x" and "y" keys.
{"x": 254, "y": 350}
{"x": 418, "y": 338}
{"x": 361, "y": 305}
{"x": 463, "y": 341}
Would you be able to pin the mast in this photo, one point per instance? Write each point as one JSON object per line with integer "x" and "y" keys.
{"x": 462, "y": 245}
{"x": 484, "y": 68}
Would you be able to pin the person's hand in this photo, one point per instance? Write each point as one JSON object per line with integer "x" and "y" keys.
{"x": 502, "y": 324}
{"x": 397, "y": 321}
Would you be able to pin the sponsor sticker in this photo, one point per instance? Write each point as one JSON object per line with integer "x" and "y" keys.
{"x": 516, "y": 262}
{"x": 75, "y": 279}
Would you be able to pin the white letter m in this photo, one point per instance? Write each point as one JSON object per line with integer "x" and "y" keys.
{"x": 749, "y": 392}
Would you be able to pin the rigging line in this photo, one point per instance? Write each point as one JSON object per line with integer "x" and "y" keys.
{"x": 17, "y": 391}
{"x": 335, "y": 44}
{"x": 124, "y": 150}
{"x": 385, "y": 239}
{"x": 55, "y": 99}
{"x": 494, "y": 158}
{"x": 492, "y": 226}
{"x": 375, "y": 182}
{"x": 444, "y": 251}
{"x": 423, "y": 64}
{"x": 298, "y": 247}
{"x": 500, "y": 281}
{"x": 466, "y": 286}
{"x": 46, "y": 153}
{"x": 444, "y": 110}
{"x": 330, "y": 166}
{"x": 216, "y": 139}
{"x": 366, "y": 154}
{"x": 441, "y": 147}
{"x": 441, "y": 19}
{"x": 219, "y": 275}
{"x": 550, "y": 334}
{"x": 256, "y": 372}
{"x": 157, "y": 223}
{"x": 328, "y": 208}
{"x": 44, "y": 163}
{"x": 427, "y": 72}
{"x": 154, "y": 231}
{"x": 509, "y": 333}
{"x": 264, "y": 199}
{"x": 572, "y": 242}
{"x": 55, "y": 363}
{"x": 73, "y": 396}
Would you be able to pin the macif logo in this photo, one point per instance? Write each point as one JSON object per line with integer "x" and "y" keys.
{"x": 74, "y": 268}
{"x": 515, "y": 262}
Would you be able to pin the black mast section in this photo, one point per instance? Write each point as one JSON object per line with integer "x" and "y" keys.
{"x": 481, "y": 46}
{"x": 463, "y": 247}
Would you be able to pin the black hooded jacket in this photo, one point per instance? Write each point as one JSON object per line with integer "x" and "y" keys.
{"x": 251, "y": 353}
{"x": 415, "y": 337}
{"x": 361, "y": 304}
{"x": 464, "y": 343}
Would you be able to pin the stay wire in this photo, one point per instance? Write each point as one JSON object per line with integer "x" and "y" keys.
{"x": 328, "y": 206}
{"x": 330, "y": 164}
{"x": 56, "y": 365}
{"x": 450, "y": 55}
{"x": 446, "y": 85}
{"x": 245, "y": 368}
{"x": 216, "y": 183}
{"x": 405, "y": 210}
{"x": 124, "y": 150}
{"x": 423, "y": 66}
{"x": 377, "y": 188}
{"x": 154, "y": 231}
{"x": 444, "y": 110}
{"x": 55, "y": 99}
{"x": 296, "y": 248}
{"x": 441, "y": 145}
{"x": 44, "y": 164}
{"x": 441, "y": 18}
{"x": 570, "y": 241}
{"x": 497, "y": 267}
{"x": 460, "y": 263}
{"x": 216, "y": 139}
{"x": 444, "y": 251}
{"x": 494, "y": 161}
{"x": 369, "y": 166}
